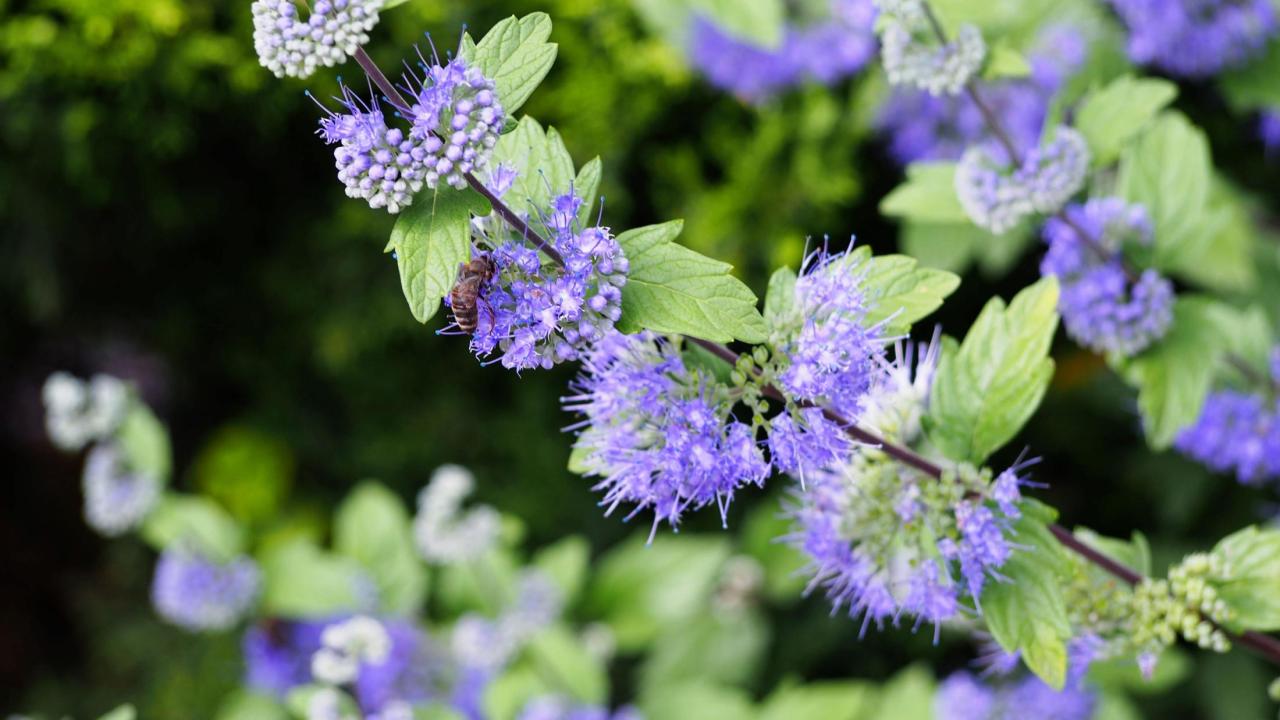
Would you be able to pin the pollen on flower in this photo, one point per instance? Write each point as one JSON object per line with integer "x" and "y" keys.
{"x": 289, "y": 46}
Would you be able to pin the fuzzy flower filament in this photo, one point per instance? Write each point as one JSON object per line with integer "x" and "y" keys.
{"x": 659, "y": 434}
{"x": 535, "y": 313}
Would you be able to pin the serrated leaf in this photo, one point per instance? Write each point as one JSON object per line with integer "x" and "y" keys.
{"x": 1111, "y": 116}
{"x": 543, "y": 166}
{"x": 672, "y": 289}
{"x": 587, "y": 186}
{"x": 989, "y": 386}
{"x": 1175, "y": 374}
{"x": 248, "y": 705}
{"x": 515, "y": 54}
{"x": 194, "y": 520}
{"x": 302, "y": 581}
{"x": 372, "y": 527}
{"x": 1027, "y": 612}
{"x": 902, "y": 293}
{"x": 124, "y": 712}
{"x": 928, "y": 195}
{"x": 1221, "y": 256}
{"x": 144, "y": 441}
{"x": 1169, "y": 171}
{"x": 1250, "y": 584}
{"x": 907, "y": 696}
{"x": 506, "y": 696}
{"x": 697, "y": 700}
{"x": 781, "y": 296}
{"x": 431, "y": 238}
{"x": 562, "y": 661}
{"x": 728, "y": 649}
{"x": 1134, "y": 554}
{"x": 388, "y": 4}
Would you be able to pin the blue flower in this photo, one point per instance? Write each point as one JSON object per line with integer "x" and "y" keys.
{"x": 116, "y": 498}
{"x": 997, "y": 196}
{"x": 457, "y": 117}
{"x": 963, "y": 697}
{"x": 805, "y": 441}
{"x": 1269, "y": 130}
{"x": 825, "y": 51}
{"x": 659, "y": 435}
{"x": 1103, "y": 307}
{"x": 830, "y": 351}
{"x": 1196, "y": 38}
{"x": 199, "y": 593}
{"x": 538, "y": 314}
{"x": 277, "y": 654}
{"x": 379, "y": 164}
{"x": 1236, "y": 432}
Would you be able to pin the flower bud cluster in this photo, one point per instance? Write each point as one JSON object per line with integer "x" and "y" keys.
{"x": 78, "y": 412}
{"x": 997, "y": 196}
{"x": 201, "y": 593}
{"x": 1185, "y": 604}
{"x": 443, "y": 533}
{"x": 287, "y": 45}
{"x": 912, "y": 58}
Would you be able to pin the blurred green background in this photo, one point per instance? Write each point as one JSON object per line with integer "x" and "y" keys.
{"x": 167, "y": 215}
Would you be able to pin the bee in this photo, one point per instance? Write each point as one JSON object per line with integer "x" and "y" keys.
{"x": 465, "y": 295}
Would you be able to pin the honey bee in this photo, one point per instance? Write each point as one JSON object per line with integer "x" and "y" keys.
{"x": 465, "y": 295}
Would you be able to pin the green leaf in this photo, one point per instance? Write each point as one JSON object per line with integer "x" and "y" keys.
{"x": 587, "y": 186}
{"x": 783, "y": 564}
{"x": 672, "y": 289}
{"x": 827, "y": 700}
{"x": 697, "y": 700}
{"x": 1028, "y": 612}
{"x": 1122, "y": 673}
{"x": 759, "y": 22}
{"x": 302, "y": 581}
{"x": 1221, "y": 257}
{"x": 195, "y": 520}
{"x": 781, "y": 296}
{"x": 1005, "y": 62}
{"x": 388, "y": 4}
{"x": 566, "y": 563}
{"x": 639, "y": 589}
{"x": 700, "y": 359}
{"x": 725, "y": 648}
{"x": 299, "y": 699}
{"x": 902, "y": 293}
{"x": 1250, "y": 583}
{"x": 543, "y": 166}
{"x": 431, "y": 238}
{"x": 988, "y": 387}
{"x": 1169, "y": 171}
{"x": 1134, "y": 554}
{"x": 928, "y": 195}
{"x": 124, "y": 712}
{"x": 144, "y": 441}
{"x": 1111, "y": 116}
{"x": 1253, "y": 85}
{"x": 373, "y": 528}
{"x": 907, "y": 696}
{"x": 247, "y": 705}
{"x": 563, "y": 662}
{"x": 1175, "y": 374}
{"x": 956, "y": 246}
{"x": 505, "y": 697}
{"x": 246, "y": 471}
{"x": 515, "y": 54}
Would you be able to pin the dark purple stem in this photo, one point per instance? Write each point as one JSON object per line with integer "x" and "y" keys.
{"x": 504, "y": 211}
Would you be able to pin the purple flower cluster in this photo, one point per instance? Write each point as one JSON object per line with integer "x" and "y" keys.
{"x": 660, "y": 434}
{"x": 997, "y": 196}
{"x": 288, "y": 45}
{"x": 1196, "y": 38}
{"x": 1103, "y": 307}
{"x": 1236, "y": 432}
{"x": 831, "y": 353}
{"x": 930, "y": 127}
{"x": 199, "y": 593}
{"x": 539, "y": 314}
{"x": 116, "y": 498}
{"x": 805, "y": 441}
{"x": 455, "y": 119}
{"x": 825, "y": 51}
{"x": 963, "y": 696}
{"x": 278, "y": 655}
{"x": 950, "y": 535}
